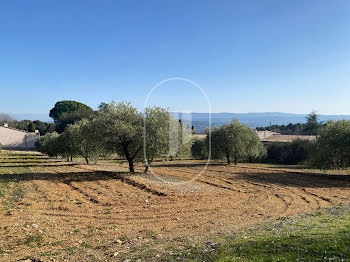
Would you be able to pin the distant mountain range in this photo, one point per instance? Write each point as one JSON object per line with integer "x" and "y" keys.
{"x": 200, "y": 121}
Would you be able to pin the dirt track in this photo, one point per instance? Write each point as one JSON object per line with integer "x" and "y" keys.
{"x": 94, "y": 211}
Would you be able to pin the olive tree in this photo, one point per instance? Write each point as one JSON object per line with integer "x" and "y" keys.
{"x": 156, "y": 134}
{"x": 49, "y": 145}
{"x": 332, "y": 147}
{"x": 125, "y": 131}
{"x": 80, "y": 139}
{"x": 120, "y": 128}
{"x": 234, "y": 140}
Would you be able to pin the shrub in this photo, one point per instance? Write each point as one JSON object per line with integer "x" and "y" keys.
{"x": 290, "y": 153}
{"x": 332, "y": 148}
{"x": 235, "y": 141}
{"x": 198, "y": 149}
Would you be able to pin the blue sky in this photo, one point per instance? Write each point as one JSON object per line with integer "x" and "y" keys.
{"x": 248, "y": 56}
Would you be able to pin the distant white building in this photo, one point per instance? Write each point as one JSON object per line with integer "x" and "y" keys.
{"x": 11, "y": 138}
{"x": 266, "y": 133}
{"x": 269, "y": 137}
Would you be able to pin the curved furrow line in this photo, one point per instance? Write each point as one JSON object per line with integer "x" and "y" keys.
{"x": 326, "y": 199}
{"x": 225, "y": 180}
{"x": 128, "y": 181}
{"x": 206, "y": 182}
{"x": 83, "y": 194}
{"x": 286, "y": 204}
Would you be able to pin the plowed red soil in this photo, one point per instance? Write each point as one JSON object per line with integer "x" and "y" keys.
{"x": 52, "y": 209}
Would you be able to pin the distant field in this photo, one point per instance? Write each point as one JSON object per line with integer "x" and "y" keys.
{"x": 70, "y": 211}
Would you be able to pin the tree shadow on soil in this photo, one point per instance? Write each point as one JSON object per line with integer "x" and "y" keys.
{"x": 6, "y": 166}
{"x": 188, "y": 164}
{"x": 310, "y": 180}
{"x": 31, "y": 162}
{"x": 67, "y": 177}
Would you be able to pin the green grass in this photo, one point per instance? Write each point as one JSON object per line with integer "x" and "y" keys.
{"x": 323, "y": 236}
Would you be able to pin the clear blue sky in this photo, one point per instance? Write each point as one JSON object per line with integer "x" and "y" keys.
{"x": 249, "y": 56}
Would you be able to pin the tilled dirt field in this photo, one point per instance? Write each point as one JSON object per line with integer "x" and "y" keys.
{"x": 52, "y": 209}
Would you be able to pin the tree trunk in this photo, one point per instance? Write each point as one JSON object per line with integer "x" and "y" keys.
{"x": 129, "y": 157}
{"x": 67, "y": 158}
{"x": 148, "y": 164}
{"x": 171, "y": 158}
{"x": 87, "y": 160}
{"x": 71, "y": 158}
{"x": 235, "y": 160}
{"x": 131, "y": 165}
{"x": 228, "y": 158}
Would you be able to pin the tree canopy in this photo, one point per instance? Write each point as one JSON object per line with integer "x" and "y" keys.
{"x": 67, "y": 107}
{"x": 332, "y": 148}
{"x": 234, "y": 140}
{"x": 156, "y": 134}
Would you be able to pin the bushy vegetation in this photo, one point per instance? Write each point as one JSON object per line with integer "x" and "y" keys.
{"x": 293, "y": 153}
{"x": 199, "y": 149}
{"x": 49, "y": 145}
{"x": 332, "y": 148}
{"x": 66, "y": 113}
{"x": 64, "y": 107}
{"x": 235, "y": 141}
{"x": 330, "y": 151}
{"x": 119, "y": 128}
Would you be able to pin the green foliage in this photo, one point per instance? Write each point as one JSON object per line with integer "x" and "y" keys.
{"x": 199, "y": 149}
{"x": 67, "y": 107}
{"x": 312, "y": 125}
{"x": 23, "y": 125}
{"x": 156, "y": 133}
{"x": 81, "y": 139}
{"x": 44, "y": 127}
{"x": 0, "y": 146}
{"x": 289, "y": 153}
{"x": 120, "y": 128}
{"x": 70, "y": 118}
{"x": 77, "y": 140}
{"x": 31, "y": 126}
{"x": 234, "y": 140}
{"x": 49, "y": 145}
{"x": 332, "y": 149}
